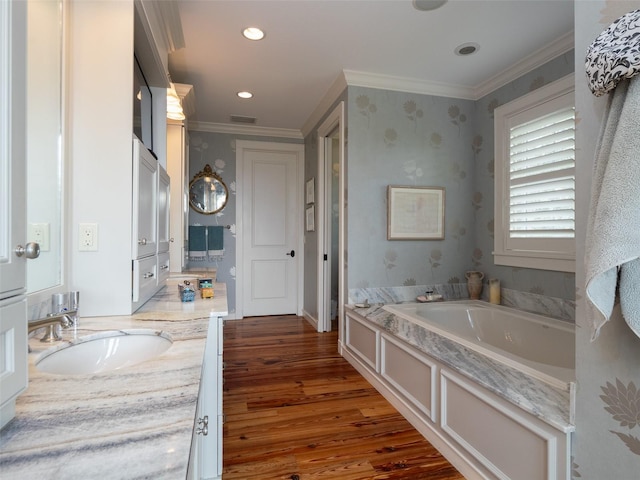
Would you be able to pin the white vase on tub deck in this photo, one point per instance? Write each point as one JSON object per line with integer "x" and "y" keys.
{"x": 474, "y": 284}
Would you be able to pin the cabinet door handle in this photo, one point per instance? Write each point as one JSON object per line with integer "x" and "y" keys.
{"x": 204, "y": 429}
{"x": 164, "y": 267}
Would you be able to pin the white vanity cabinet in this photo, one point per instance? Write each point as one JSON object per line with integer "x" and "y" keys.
{"x": 13, "y": 306}
{"x": 145, "y": 201}
{"x": 13, "y": 355}
{"x": 150, "y": 224}
{"x": 163, "y": 199}
{"x": 205, "y": 461}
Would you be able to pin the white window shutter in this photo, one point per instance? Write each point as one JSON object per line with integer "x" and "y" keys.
{"x": 542, "y": 177}
{"x": 535, "y": 179}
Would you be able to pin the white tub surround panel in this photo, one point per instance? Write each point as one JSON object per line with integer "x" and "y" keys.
{"x": 131, "y": 423}
{"x": 433, "y": 380}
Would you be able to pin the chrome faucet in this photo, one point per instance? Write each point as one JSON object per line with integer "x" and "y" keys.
{"x": 65, "y": 319}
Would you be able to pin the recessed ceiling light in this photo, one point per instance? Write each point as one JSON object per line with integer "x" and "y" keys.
{"x": 245, "y": 94}
{"x": 426, "y": 5}
{"x": 253, "y": 33}
{"x": 467, "y": 49}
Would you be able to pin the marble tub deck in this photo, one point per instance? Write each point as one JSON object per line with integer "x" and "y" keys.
{"x": 131, "y": 423}
{"x": 547, "y": 402}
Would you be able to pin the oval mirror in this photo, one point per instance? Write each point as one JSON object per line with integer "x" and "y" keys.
{"x": 208, "y": 194}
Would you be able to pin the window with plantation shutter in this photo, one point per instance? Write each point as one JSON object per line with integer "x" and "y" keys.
{"x": 535, "y": 179}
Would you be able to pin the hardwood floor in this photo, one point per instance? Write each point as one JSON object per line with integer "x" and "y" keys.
{"x": 296, "y": 410}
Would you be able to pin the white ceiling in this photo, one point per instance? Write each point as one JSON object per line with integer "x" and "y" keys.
{"x": 382, "y": 43}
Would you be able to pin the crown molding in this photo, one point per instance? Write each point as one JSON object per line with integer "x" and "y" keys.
{"x": 409, "y": 85}
{"x": 245, "y": 130}
{"x": 187, "y": 97}
{"x": 165, "y": 16}
{"x": 334, "y": 92}
{"x": 538, "y": 58}
{"x": 401, "y": 84}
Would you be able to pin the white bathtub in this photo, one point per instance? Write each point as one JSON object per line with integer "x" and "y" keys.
{"x": 539, "y": 346}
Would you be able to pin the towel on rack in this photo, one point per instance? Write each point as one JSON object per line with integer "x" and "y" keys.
{"x": 215, "y": 241}
{"x": 613, "y": 230}
{"x": 197, "y": 243}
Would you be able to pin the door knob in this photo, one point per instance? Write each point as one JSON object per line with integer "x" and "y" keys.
{"x": 292, "y": 253}
{"x": 32, "y": 250}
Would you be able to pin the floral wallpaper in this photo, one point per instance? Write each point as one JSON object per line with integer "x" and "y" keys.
{"x": 607, "y": 438}
{"x": 398, "y": 138}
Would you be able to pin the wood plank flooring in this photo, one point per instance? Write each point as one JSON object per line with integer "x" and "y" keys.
{"x": 296, "y": 410}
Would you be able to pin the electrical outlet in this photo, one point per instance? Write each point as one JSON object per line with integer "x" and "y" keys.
{"x": 39, "y": 233}
{"x": 88, "y": 237}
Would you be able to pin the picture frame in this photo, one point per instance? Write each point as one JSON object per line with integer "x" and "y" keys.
{"x": 415, "y": 213}
{"x": 310, "y": 215}
{"x": 310, "y": 191}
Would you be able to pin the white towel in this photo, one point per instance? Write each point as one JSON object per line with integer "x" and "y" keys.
{"x": 613, "y": 230}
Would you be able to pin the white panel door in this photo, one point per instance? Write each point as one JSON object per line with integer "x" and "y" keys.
{"x": 271, "y": 229}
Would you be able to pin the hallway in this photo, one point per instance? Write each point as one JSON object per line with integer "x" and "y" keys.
{"x": 295, "y": 409}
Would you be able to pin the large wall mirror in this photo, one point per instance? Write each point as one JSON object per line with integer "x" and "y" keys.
{"x": 208, "y": 194}
{"x": 45, "y": 142}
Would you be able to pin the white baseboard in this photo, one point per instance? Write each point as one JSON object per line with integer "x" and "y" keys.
{"x": 310, "y": 318}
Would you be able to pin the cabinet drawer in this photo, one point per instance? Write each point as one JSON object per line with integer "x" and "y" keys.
{"x": 411, "y": 374}
{"x": 145, "y": 278}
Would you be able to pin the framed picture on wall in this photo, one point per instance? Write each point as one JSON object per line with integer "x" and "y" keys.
{"x": 415, "y": 213}
{"x": 311, "y": 193}
{"x": 310, "y": 219}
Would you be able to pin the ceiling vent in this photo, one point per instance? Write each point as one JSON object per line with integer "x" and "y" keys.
{"x": 243, "y": 119}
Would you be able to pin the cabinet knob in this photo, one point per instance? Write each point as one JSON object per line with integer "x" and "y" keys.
{"x": 142, "y": 241}
{"x": 148, "y": 275}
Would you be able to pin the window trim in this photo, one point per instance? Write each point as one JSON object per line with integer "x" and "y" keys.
{"x": 559, "y": 257}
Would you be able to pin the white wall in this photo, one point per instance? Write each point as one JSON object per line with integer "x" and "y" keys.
{"x": 101, "y": 77}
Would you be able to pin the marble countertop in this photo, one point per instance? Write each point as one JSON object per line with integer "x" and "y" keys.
{"x": 131, "y": 423}
{"x": 544, "y": 401}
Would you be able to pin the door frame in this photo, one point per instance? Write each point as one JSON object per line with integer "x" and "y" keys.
{"x": 334, "y": 121}
{"x": 241, "y": 146}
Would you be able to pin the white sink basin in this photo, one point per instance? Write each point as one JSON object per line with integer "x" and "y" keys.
{"x": 104, "y": 351}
